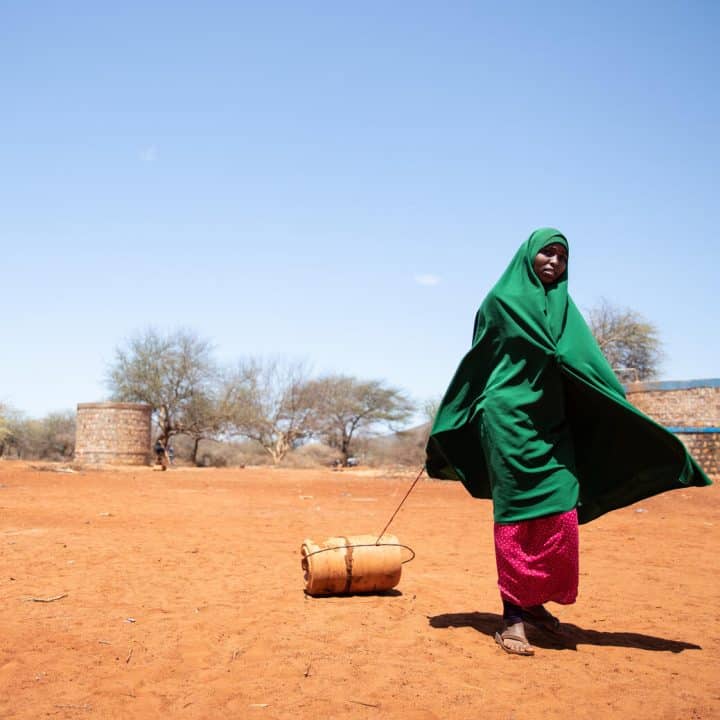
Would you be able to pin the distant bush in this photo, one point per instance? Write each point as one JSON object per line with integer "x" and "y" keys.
{"x": 312, "y": 455}
{"x": 405, "y": 448}
{"x": 212, "y": 460}
{"x": 402, "y": 449}
{"x": 215, "y": 453}
{"x": 49, "y": 438}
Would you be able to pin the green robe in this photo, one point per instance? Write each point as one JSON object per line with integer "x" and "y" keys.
{"x": 535, "y": 418}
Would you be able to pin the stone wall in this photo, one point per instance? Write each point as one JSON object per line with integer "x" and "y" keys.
{"x": 691, "y": 410}
{"x": 113, "y": 433}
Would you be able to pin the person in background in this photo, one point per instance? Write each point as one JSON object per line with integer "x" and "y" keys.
{"x": 161, "y": 457}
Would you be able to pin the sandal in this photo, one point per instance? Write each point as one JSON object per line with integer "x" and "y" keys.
{"x": 501, "y": 638}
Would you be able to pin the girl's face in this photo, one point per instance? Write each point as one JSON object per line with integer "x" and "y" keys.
{"x": 550, "y": 263}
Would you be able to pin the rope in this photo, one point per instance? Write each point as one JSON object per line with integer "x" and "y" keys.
{"x": 357, "y": 545}
{"x": 377, "y": 543}
{"x": 422, "y": 470}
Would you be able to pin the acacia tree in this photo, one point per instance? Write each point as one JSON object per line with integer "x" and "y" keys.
{"x": 171, "y": 372}
{"x": 202, "y": 418}
{"x": 347, "y": 408}
{"x": 629, "y": 342}
{"x": 267, "y": 401}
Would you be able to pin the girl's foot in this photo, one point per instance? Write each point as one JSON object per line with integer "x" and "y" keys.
{"x": 512, "y": 639}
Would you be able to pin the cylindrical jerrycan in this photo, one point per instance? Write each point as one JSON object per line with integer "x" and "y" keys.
{"x": 351, "y": 564}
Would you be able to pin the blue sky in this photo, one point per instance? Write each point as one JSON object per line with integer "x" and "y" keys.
{"x": 342, "y": 183}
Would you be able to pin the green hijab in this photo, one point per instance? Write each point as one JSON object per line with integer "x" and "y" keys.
{"x": 535, "y": 418}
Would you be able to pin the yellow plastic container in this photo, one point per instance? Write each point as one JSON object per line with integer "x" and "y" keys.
{"x": 352, "y": 564}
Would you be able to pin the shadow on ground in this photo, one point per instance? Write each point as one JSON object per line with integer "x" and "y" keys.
{"x": 571, "y": 637}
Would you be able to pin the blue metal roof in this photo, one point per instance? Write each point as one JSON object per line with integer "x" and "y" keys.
{"x": 691, "y": 430}
{"x": 649, "y": 386}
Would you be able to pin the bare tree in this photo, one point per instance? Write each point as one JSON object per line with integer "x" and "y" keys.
{"x": 629, "y": 342}
{"x": 56, "y": 435}
{"x": 173, "y": 373}
{"x": 203, "y": 418}
{"x": 347, "y": 407}
{"x": 267, "y": 400}
{"x": 429, "y": 409}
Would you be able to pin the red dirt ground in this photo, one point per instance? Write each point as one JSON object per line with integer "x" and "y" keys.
{"x": 183, "y": 598}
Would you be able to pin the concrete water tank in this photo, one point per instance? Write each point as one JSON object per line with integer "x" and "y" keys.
{"x": 113, "y": 433}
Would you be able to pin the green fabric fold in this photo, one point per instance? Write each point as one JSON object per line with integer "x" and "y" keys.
{"x": 534, "y": 416}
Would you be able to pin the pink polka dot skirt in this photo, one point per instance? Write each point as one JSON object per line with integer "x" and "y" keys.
{"x": 538, "y": 560}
